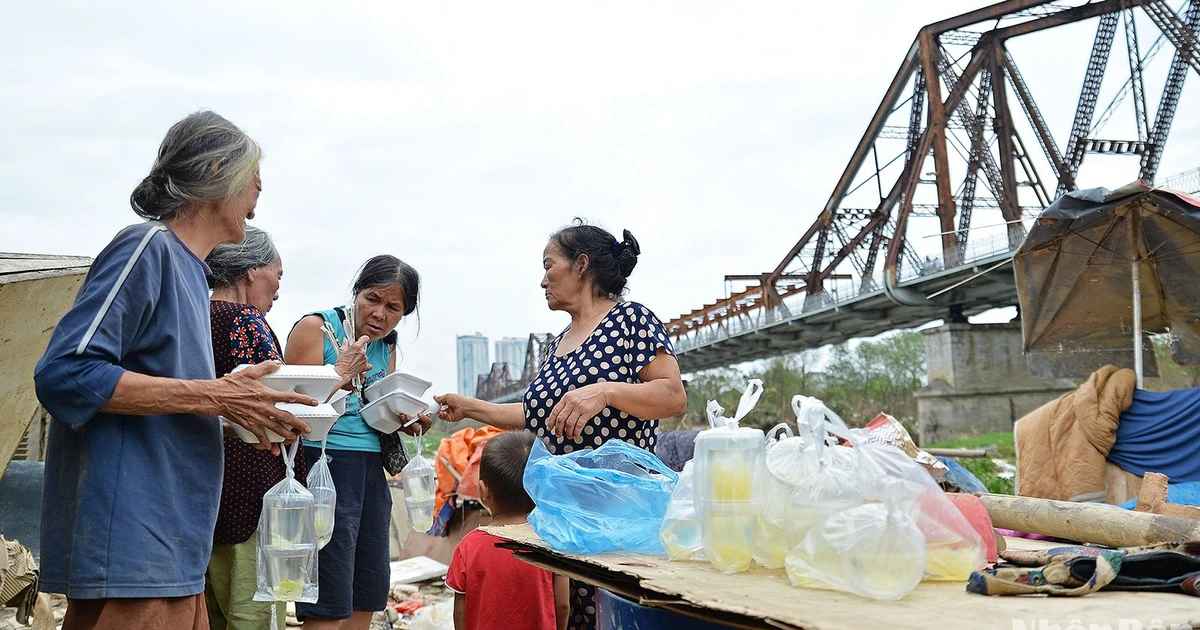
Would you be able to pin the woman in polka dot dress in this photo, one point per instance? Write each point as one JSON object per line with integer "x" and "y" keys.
{"x": 610, "y": 375}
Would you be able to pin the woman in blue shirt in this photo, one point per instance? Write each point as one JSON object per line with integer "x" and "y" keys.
{"x": 354, "y": 576}
{"x": 134, "y": 459}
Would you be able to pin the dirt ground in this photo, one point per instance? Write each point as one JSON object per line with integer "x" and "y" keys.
{"x": 405, "y": 543}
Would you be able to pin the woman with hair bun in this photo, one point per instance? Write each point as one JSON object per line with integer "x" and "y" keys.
{"x": 611, "y": 374}
{"x": 134, "y": 456}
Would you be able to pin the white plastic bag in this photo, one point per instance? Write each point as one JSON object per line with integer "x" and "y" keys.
{"x": 439, "y": 616}
{"x": 826, "y": 478}
{"x": 287, "y": 540}
{"x": 953, "y": 547}
{"x": 785, "y": 465}
{"x": 320, "y": 484}
{"x": 680, "y": 531}
{"x": 729, "y": 477}
{"x": 874, "y": 550}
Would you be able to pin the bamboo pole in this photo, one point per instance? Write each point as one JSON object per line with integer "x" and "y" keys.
{"x": 1087, "y": 522}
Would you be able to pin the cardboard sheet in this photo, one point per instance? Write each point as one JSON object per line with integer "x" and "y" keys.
{"x": 765, "y": 599}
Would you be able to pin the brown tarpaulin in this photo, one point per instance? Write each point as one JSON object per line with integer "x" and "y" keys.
{"x": 1075, "y": 280}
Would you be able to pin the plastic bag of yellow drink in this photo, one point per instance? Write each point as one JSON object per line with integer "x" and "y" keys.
{"x": 680, "y": 531}
{"x": 874, "y": 550}
{"x": 420, "y": 484}
{"x": 729, "y": 482}
{"x": 953, "y": 547}
{"x": 784, "y": 457}
{"x": 320, "y": 484}
{"x": 824, "y": 475}
{"x": 287, "y": 540}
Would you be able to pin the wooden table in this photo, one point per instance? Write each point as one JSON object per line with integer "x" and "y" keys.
{"x": 764, "y": 598}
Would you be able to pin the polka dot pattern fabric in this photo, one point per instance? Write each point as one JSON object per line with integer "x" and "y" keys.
{"x": 623, "y": 343}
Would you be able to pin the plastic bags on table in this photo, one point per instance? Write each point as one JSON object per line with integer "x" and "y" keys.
{"x": 592, "y": 501}
{"x": 287, "y": 540}
{"x": 320, "y": 484}
{"x": 867, "y": 518}
{"x": 680, "y": 531}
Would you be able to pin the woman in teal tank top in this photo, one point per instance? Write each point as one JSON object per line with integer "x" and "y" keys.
{"x": 354, "y": 575}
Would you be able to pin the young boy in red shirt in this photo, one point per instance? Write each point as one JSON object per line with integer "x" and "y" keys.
{"x": 492, "y": 589}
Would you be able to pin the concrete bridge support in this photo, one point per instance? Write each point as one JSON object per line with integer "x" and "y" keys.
{"x": 978, "y": 382}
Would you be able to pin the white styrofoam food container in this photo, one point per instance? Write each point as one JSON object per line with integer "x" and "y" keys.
{"x": 398, "y": 382}
{"x": 317, "y": 381}
{"x": 383, "y": 414}
{"x": 320, "y": 420}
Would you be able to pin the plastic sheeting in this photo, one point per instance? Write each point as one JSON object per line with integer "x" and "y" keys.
{"x": 1159, "y": 433}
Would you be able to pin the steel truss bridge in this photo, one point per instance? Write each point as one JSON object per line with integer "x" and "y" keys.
{"x": 956, "y": 162}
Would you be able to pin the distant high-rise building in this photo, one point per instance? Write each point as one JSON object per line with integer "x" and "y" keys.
{"x": 472, "y": 362}
{"x": 511, "y": 350}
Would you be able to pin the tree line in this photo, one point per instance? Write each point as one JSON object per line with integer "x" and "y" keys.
{"x": 857, "y": 380}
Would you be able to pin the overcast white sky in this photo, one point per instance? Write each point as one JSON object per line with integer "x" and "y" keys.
{"x": 458, "y": 136}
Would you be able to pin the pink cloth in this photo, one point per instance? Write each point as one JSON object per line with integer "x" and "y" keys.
{"x": 1016, "y": 534}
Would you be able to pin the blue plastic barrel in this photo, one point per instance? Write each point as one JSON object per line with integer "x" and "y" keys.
{"x": 614, "y": 612}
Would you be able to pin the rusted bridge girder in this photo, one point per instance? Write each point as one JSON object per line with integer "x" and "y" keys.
{"x": 960, "y": 151}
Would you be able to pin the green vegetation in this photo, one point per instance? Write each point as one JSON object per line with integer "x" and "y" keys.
{"x": 859, "y": 381}
{"x": 429, "y": 443}
{"x": 983, "y": 467}
{"x": 1171, "y": 375}
{"x": 1002, "y": 441}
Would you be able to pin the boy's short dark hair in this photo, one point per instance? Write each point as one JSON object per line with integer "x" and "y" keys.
{"x": 502, "y": 468}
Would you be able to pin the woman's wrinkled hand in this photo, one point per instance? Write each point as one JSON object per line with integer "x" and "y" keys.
{"x": 241, "y": 398}
{"x": 576, "y": 409}
{"x": 352, "y": 361}
{"x": 454, "y": 407}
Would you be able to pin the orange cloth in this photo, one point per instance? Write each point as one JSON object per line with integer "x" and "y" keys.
{"x": 459, "y": 450}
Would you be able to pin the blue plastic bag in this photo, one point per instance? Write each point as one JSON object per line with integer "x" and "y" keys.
{"x": 966, "y": 480}
{"x": 592, "y": 501}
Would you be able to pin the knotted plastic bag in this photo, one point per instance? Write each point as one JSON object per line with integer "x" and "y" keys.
{"x": 420, "y": 482}
{"x": 874, "y": 550}
{"x": 320, "y": 484}
{"x": 592, "y": 501}
{"x": 826, "y": 475}
{"x": 287, "y": 540}
{"x": 729, "y": 484}
{"x": 680, "y": 531}
{"x": 953, "y": 547}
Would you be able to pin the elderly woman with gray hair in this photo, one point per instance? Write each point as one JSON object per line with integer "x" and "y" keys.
{"x": 134, "y": 458}
{"x": 245, "y": 282}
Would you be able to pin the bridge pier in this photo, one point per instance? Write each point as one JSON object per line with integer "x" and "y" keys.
{"x": 979, "y": 382}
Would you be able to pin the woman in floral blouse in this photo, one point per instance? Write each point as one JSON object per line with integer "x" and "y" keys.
{"x": 245, "y": 281}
